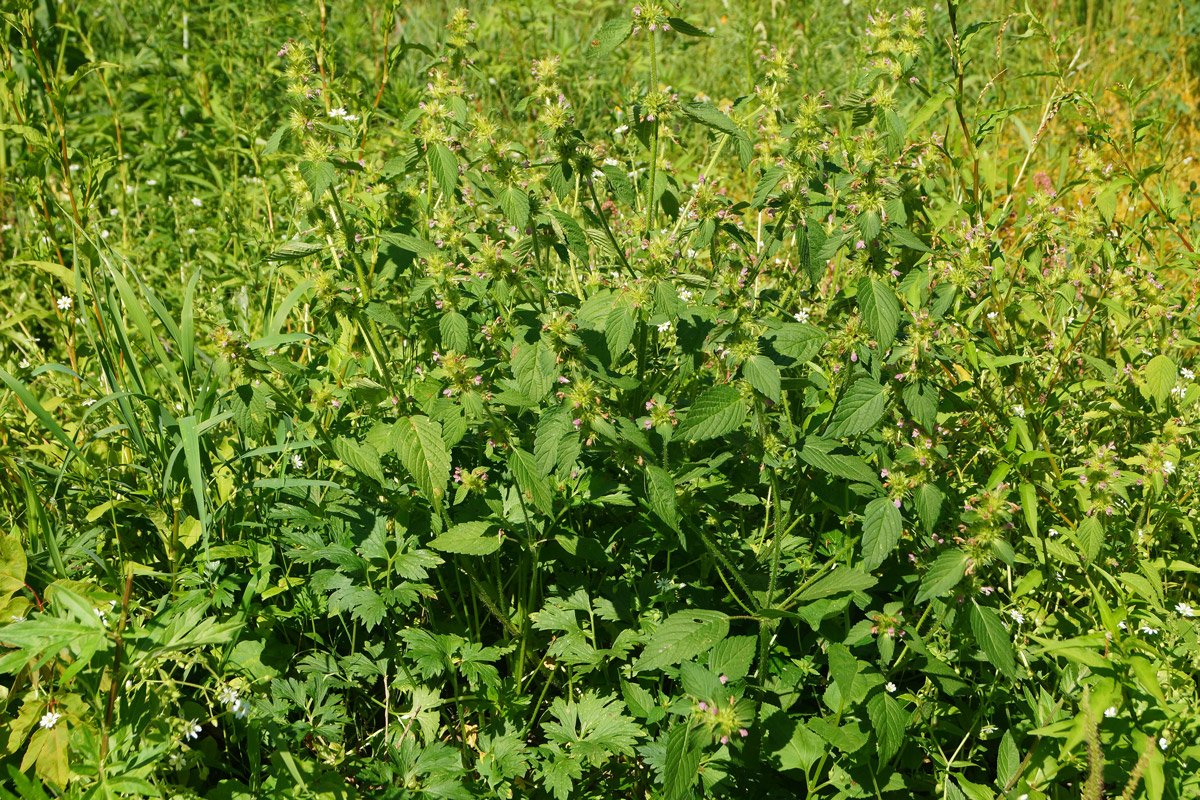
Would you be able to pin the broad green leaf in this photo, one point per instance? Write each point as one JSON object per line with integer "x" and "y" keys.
{"x": 1161, "y": 376}
{"x": 763, "y": 375}
{"x": 837, "y": 580}
{"x": 468, "y": 538}
{"x": 716, "y": 412}
{"x": 445, "y": 167}
{"x": 819, "y": 453}
{"x": 711, "y": 116}
{"x": 682, "y": 636}
{"x": 1029, "y": 506}
{"x": 732, "y": 657}
{"x": 1090, "y": 538}
{"x": 1008, "y": 760}
{"x": 660, "y": 487}
{"x": 682, "y": 765}
{"x": 530, "y": 481}
{"x": 798, "y": 340}
{"x": 882, "y": 527}
{"x": 686, "y": 28}
{"x": 889, "y": 721}
{"x": 928, "y": 499}
{"x": 880, "y": 310}
{"x": 993, "y": 639}
{"x": 943, "y": 575}
{"x": 362, "y": 458}
{"x": 318, "y": 175}
{"x": 859, "y": 410}
{"x": 612, "y": 34}
{"x": 456, "y": 334}
{"x": 424, "y": 454}
{"x": 618, "y": 329}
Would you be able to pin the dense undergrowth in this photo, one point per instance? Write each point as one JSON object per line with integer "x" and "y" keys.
{"x": 598, "y": 400}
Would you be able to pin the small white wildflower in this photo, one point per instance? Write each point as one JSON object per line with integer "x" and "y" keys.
{"x": 191, "y": 730}
{"x": 891, "y": 687}
{"x": 240, "y": 708}
{"x": 1019, "y": 410}
{"x": 992, "y": 314}
{"x": 1111, "y": 711}
{"x": 1146, "y": 629}
{"x": 1163, "y": 743}
{"x": 801, "y": 316}
{"x": 1052, "y": 532}
{"x": 51, "y": 718}
{"x": 104, "y": 234}
{"x": 1184, "y": 610}
{"x": 666, "y": 326}
{"x": 151, "y": 182}
{"x": 87, "y": 401}
{"x": 685, "y": 295}
{"x": 1187, "y": 373}
{"x": 1018, "y": 616}
{"x": 24, "y": 363}
{"x": 227, "y": 696}
{"x": 16, "y": 618}
{"x": 64, "y": 303}
{"x": 197, "y": 202}
{"x": 1168, "y": 468}
{"x": 297, "y": 461}
{"x": 1121, "y": 624}
{"x": 336, "y": 112}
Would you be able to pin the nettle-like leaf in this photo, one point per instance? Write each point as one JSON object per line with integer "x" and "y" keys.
{"x": 716, "y": 412}
{"x": 882, "y": 527}
{"x": 425, "y": 455}
{"x": 682, "y": 636}
{"x": 859, "y": 410}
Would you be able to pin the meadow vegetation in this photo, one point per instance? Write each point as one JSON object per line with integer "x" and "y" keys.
{"x": 599, "y": 399}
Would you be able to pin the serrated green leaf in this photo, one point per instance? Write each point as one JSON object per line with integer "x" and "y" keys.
{"x": 859, "y": 410}
{"x": 889, "y": 722}
{"x": 318, "y": 175}
{"x": 468, "y": 538}
{"x": 711, "y": 116}
{"x": 943, "y": 575}
{"x": 882, "y": 527}
{"x": 837, "y": 580}
{"x": 445, "y": 167}
{"x": 1090, "y": 538}
{"x": 993, "y": 639}
{"x": 1161, "y": 376}
{"x": 362, "y": 458}
{"x": 686, "y": 28}
{"x": 682, "y": 763}
{"x": 763, "y": 375}
{"x": 611, "y": 35}
{"x": 424, "y": 454}
{"x": 456, "y": 334}
{"x": 716, "y": 412}
{"x": 529, "y": 480}
{"x": 880, "y": 310}
{"x": 660, "y": 487}
{"x": 682, "y": 636}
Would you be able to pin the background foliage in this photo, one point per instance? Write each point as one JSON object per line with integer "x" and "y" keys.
{"x": 598, "y": 400}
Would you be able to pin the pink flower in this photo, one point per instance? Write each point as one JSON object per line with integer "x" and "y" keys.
{"x": 703, "y": 706}
{"x": 744, "y": 733}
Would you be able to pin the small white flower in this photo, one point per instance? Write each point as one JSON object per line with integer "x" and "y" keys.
{"x": 151, "y": 182}
{"x": 1052, "y": 532}
{"x": 891, "y": 687}
{"x": 227, "y": 696}
{"x": 1168, "y": 468}
{"x": 1019, "y": 410}
{"x": 1184, "y": 610}
{"x": 240, "y": 708}
{"x": 666, "y": 326}
{"x": 1018, "y": 616}
{"x": 992, "y": 314}
{"x": 1187, "y": 373}
{"x": 17, "y": 618}
{"x": 197, "y": 202}
{"x": 350, "y": 118}
{"x": 64, "y": 303}
{"x": 104, "y": 234}
{"x": 685, "y": 295}
{"x": 89, "y": 401}
{"x": 1163, "y": 743}
{"x": 801, "y": 316}
{"x": 336, "y": 112}
{"x": 1121, "y": 624}
{"x": 51, "y": 718}
{"x": 191, "y": 730}
{"x": 100, "y": 614}
{"x": 1111, "y": 711}
{"x": 24, "y": 363}
{"x": 297, "y": 461}
{"x": 1146, "y": 629}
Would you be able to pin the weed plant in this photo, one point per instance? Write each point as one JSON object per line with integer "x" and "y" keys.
{"x": 591, "y": 400}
